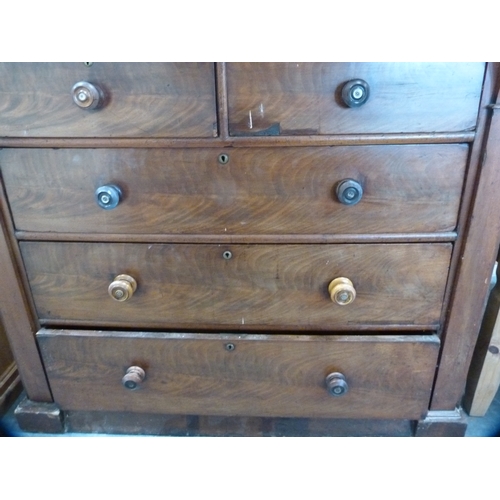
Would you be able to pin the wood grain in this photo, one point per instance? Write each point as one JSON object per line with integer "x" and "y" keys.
{"x": 407, "y": 189}
{"x": 304, "y": 98}
{"x": 265, "y": 375}
{"x": 142, "y": 100}
{"x": 17, "y": 319}
{"x": 261, "y": 286}
{"x": 158, "y": 424}
{"x": 250, "y": 141}
{"x": 471, "y": 286}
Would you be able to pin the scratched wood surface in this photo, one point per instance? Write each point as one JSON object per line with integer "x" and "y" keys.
{"x": 141, "y": 100}
{"x": 261, "y": 286}
{"x": 264, "y": 375}
{"x": 259, "y": 191}
{"x": 305, "y": 98}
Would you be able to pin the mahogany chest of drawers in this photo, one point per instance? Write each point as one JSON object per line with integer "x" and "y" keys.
{"x": 246, "y": 241}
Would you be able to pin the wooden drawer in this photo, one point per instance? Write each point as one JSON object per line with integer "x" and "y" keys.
{"x": 250, "y": 375}
{"x": 406, "y": 189}
{"x": 258, "y": 287}
{"x": 137, "y": 100}
{"x": 306, "y": 98}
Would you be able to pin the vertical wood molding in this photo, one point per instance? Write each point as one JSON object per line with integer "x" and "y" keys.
{"x": 19, "y": 325}
{"x": 471, "y": 286}
{"x": 223, "y": 115}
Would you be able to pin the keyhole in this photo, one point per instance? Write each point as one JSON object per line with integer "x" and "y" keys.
{"x": 88, "y": 64}
{"x": 223, "y": 158}
{"x": 230, "y": 347}
{"x": 227, "y": 255}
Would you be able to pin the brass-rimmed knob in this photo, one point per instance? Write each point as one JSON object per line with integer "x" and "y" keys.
{"x": 133, "y": 378}
{"x": 86, "y": 95}
{"x": 336, "y": 384}
{"x": 355, "y": 93}
{"x": 122, "y": 288}
{"x": 342, "y": 291}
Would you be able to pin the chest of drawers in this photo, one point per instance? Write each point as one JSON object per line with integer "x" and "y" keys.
{"x": 246, "y": 241}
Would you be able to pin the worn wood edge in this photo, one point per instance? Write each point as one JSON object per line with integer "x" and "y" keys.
{"x": 474, "y": 254}
{"x": 248, "y": 337}
{"x": 483, "y": 379}
{"x": 222, "y": 142}
{"x": 443, "y": 237}
{"x": 39, "y": 417}
{"x": 447, "y": 423}
{"x": 222, "y": 426}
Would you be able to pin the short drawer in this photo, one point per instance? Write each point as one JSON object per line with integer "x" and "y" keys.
{"x": 307, "y": 98}
{"x": 239, "y": 286}
{"x": 396, "y": 189}
{"x": 247, "y": 375}
{"x": 107, "y": 100}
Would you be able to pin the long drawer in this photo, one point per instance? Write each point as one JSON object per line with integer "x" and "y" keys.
{"x": 249, "y": 375}
{"x": 351, "y": 98}
{"x": 107, "y": 100}
{"x": 332, "y": 190}
{"x": 239, "y": 286}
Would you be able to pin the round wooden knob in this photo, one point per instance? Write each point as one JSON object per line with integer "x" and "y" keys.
{"x": 336, "y": 384}
{"x": 342, "y": 291}
{"x": 133, "y": 378}
{"x": 122, "y": 288}
{"x": 349, "y": 192}
{"x": 355, "y": 93}
{"x": 87, "y": 95}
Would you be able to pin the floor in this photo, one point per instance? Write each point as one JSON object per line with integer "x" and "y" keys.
{"x": 487, "y": 426}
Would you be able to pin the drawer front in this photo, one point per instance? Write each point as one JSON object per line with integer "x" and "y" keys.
{"x": 403, "y": 189}
{"x": 133, "y": 100}
{"x": 306, "y": 98}
{"x": 239, "y": 286}
{"x": 259, "y": 375}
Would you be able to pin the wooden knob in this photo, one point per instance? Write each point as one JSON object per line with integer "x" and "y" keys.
{"x": 342, "y": 291}
{"x": 336, "y": 384}
{"x": 122, "y": 288}
{"x": 355, "y": 93}
{"x": 86, "y": 95}
{"x": 133, "y": 378}
{"x": 349, "y": 192}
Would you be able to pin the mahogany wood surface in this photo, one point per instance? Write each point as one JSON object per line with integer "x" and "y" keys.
{"x": 419, "y": 247}
{"x": 225, "y": 239}
{"x": 490, "y": 87}
{"x": 304, "y": 98}
{"x": 18, "y": 322}
{"x": 141, "y": 100}
{"x": 260, "y": 286}
{"x": 470, "y": 292}
{"x": 259, "y": 191}
{"x": 269, "y": 141}
{"x": 158, "y": 424}
{"x": 264, "y": 375}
